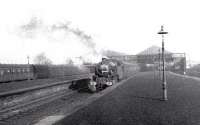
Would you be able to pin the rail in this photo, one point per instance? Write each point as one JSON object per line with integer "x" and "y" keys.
{"x": 21, "y": 107}
{"x": 20, "y": 91}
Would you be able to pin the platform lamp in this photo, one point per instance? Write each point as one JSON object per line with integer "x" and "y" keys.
{"x": 164, "y": 82}
{"x": 159, "y": 66}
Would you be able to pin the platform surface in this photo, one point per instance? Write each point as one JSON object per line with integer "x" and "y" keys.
{"x": 138, "y": 102}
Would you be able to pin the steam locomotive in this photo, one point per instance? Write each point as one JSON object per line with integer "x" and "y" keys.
{"x": 106, "y": 73}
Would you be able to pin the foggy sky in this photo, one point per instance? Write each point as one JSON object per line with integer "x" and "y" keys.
{"x": 127, "y": 26}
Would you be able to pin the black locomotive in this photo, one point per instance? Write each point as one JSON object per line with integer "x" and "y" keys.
{"x": 107, "y": 73}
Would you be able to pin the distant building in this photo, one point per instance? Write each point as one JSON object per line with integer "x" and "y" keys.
{"x": 150, "y": 59}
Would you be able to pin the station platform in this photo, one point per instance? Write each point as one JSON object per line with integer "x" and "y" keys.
{"x": 139, "y": 102}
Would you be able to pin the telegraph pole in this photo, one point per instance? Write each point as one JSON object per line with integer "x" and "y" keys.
{"x": 164, "y": 82}
{"x": 28, "y": 59}
{"x": 28, "y": 67}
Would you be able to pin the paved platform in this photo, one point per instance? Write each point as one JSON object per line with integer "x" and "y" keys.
{"x": 138, "y": 102}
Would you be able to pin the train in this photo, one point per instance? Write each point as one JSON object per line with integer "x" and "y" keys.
{"x": 10, "y": 72}
{"x": 110, "y": 71}
{"x": 106, "y": 73}
{"x": 18, "y": 72}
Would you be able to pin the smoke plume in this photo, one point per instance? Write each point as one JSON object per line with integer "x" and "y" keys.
{"x": 84, "y": 38}
{"x": 31, "y": 29}
{"x": 59, "y": 41}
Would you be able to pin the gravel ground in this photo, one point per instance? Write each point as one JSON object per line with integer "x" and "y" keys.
{"x": 57, "y": 107}
{"x": 9, "y": 86}
{"x": 137, "y": 102}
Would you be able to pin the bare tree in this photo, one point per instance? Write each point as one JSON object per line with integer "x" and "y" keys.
{"x": 42, "y": 59}
{"x": 69, "y": 61}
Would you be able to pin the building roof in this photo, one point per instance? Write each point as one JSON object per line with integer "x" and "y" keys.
{"x": 153, "y": 50}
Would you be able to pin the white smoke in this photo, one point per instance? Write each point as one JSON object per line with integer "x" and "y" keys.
{"x": 59, "y": 41}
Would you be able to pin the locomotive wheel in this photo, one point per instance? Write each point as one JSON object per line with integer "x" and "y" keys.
{"x": 100, "y": 87}
{"x": 114, "y": 81}
{"x": 118, "y": 79}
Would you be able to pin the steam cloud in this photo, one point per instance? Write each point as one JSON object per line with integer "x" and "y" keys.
{"x": 36, "y": 29}
{"x": 85, "y": 39}
{"x": 31, "y": 29}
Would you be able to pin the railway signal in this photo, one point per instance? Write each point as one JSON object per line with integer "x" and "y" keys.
{"x": 164, "y": 84}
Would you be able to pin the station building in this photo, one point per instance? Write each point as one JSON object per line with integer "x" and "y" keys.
{"x": 151, "y": 60}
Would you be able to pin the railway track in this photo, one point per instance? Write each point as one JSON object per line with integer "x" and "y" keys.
{"x": 78, "y": 77}
{"x": 10, "y": 111}
{"x": 14, "y": 110}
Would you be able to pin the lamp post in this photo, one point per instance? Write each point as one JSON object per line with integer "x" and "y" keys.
{"x": 164, "y": 84}
{"x": 159, "y": 66}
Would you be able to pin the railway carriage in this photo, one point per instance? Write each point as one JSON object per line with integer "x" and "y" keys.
{"x": 14, "y": 72}
{"x": 10, "y": 72}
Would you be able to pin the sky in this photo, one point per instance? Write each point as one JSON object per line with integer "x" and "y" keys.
{"x": 127, "y": 26}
